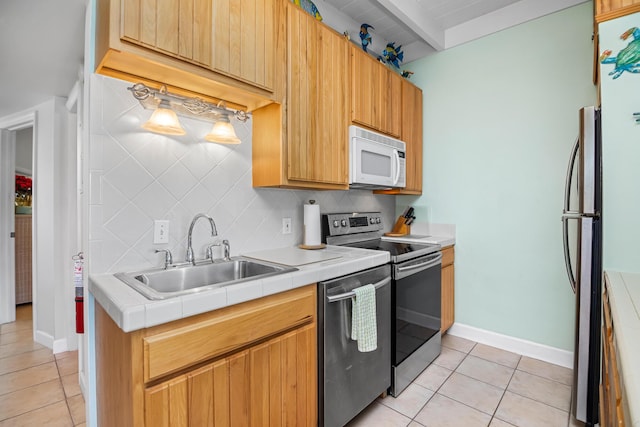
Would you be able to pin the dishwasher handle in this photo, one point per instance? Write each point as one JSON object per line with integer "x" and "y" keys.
{"x": 351, "y": 294}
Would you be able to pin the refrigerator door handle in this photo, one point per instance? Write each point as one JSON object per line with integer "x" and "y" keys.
{"x": 567, "y": 255}
{"x": 578, "y": 215}
{"x": 567, "y": 214}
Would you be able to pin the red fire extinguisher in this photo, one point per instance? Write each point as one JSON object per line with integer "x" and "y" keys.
{"x": 78, "y": 261}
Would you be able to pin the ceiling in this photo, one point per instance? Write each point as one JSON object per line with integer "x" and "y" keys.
{"x": 42, "y": 41}
{"x": 425, "y": 26}
{"x": 41, "y": 49}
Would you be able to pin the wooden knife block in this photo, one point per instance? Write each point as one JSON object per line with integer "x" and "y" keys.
{"x": 400, "y": 228}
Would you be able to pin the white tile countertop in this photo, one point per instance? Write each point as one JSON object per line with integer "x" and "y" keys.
{"x": 624, "y": 298}
{"x": 423, "y": 232}
{"x": 131, "y": 311}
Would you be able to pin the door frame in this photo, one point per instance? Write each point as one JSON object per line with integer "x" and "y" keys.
{"x": 8, "y": 127}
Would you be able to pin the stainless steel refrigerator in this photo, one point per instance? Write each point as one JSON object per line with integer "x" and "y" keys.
{"x": 582, "y": 236}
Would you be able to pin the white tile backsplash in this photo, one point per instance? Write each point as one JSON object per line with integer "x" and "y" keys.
{"x": 138, "y": 177}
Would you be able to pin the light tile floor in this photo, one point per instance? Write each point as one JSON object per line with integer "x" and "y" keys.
{"x": 471, "y": 385}
{"x": 37, "y": 388}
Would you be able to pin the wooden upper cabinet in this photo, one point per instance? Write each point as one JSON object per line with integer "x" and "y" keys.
{"x": 303, "y": 141}
{"x": 318, "y": 97}
{"x": 374, "y": 89}
{"x": 611, "y": 9}
{"x": 245, "y": 40}
{"x": 212, "y": 49}
{"x": 177, "y": 27}
{"x": 411, "y": 134}
{"x": 232, "y": 37}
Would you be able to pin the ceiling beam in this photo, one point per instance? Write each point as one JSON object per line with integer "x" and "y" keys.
{"x": 413, "y": 16}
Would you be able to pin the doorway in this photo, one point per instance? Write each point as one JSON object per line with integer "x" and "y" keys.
{"x": 16, "y": 157}
{"x": 23, "y": 224}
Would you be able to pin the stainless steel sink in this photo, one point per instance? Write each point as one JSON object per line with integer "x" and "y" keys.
{"x": 185, "y": 279}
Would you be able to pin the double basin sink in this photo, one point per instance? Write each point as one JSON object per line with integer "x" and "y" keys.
{"x": 157, "y": 284}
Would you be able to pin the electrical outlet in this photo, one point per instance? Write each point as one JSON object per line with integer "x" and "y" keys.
{"x": 160, "y": 231}
{"x": 286, "y": 225}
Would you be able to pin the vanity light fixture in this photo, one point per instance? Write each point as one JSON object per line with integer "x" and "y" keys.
{"x": 168, "y": 106}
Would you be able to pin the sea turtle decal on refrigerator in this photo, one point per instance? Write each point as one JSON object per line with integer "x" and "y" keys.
{"x": 628, "y": 59}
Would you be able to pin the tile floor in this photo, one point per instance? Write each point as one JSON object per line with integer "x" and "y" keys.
{"x": 471, "y": 385}
{"x": 37, "y": 388}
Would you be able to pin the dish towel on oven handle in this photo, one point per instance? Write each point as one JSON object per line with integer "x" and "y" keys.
{"x": 364, "y": 328}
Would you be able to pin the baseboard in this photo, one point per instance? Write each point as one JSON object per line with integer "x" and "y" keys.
{"x": 60, "y": 346}
{"x": 83, "y": 383}
{"x": 515, "y": 345}
{"x": 57, "y": 346}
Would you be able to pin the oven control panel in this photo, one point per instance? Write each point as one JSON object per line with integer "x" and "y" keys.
{"x": 351, "y": 223}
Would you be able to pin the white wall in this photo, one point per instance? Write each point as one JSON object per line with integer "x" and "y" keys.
{"x": 500, "y": 118}
{"x": 53, "y": 273}
{"x": 136, "y": 177}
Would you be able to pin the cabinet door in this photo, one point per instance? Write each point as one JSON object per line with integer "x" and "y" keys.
{"x": 448, "y": 298}
{"x": 611, "y": 9}
{"x": 376, "y": 92}
{"x": 318, "y": 96}
{"x": 273, "y": 383}
{"x": 244, "y": 34}
{"x": 448, "y": 289}
{"x": 412, "y": 136}
{"x": 180, "y": 28}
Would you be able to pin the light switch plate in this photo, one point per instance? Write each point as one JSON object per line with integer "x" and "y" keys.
{"x": 286, "y": 225}
{"x": 160, "y": 231}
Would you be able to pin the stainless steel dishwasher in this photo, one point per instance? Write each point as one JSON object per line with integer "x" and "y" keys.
{"x": 349, "y": 380}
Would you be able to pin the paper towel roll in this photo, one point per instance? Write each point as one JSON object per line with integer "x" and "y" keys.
{"x": 311, "y": 224}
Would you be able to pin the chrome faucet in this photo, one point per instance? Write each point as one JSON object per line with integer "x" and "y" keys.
{"x": 214, "y": 232}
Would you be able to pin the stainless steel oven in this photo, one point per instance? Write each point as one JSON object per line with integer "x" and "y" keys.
{"x": 416, "y": 317}
{"x": 415, "y": 291}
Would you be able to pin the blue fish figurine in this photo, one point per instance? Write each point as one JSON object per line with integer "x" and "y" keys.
{"x": 365, "y": 37}
{"x": 393, "y": 55}
{"x": 309, "y": 7}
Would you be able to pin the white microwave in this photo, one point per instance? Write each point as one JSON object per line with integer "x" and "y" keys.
{"x": 376, "y": 161}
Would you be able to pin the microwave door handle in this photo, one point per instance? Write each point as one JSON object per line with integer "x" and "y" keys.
{"x": 397, "y": 155}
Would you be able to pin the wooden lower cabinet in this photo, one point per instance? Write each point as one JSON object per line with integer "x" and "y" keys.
{"x": 263, "y": 378}
{"x": 264, "y": 385}
{"x": 612, "y": 413}
{"x": 448, "y": 289}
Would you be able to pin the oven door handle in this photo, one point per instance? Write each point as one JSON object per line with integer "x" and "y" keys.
{"x": 351, "y": 294}
{"x": 423, "y": 265}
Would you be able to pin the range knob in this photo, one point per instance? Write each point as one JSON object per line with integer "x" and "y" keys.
{"x": 336, "y": 223}
{"x": 372, "y": 220}
{"x": 343, "y": 223}
{"x": 378, "y": 220}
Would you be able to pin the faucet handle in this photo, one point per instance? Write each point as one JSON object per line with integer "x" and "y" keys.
{"x": 168, "y": 258}
{"x": 226, "y": 249}
{"x": 209, "y": 252}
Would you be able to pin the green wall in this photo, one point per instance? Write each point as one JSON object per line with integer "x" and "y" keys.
{"x": 500, "y": 118}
